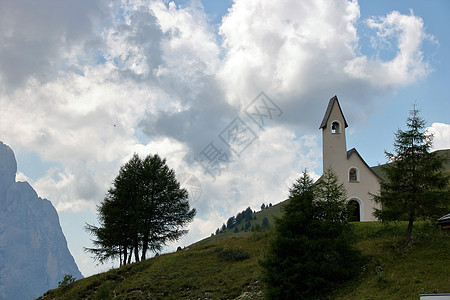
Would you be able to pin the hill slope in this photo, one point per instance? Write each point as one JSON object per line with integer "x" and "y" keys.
{"x": 226, "y": 267}
{"x": 379, "y": 169}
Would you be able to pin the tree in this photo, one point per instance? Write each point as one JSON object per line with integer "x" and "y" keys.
{"x": 143, "y": 210}
{"x": 248, "y": 214}
{"x": 415, "y": 187}
{"x": 239, "y": 218}
{"x": 263, "y": 206}
{"x": 311, "y": 249}
{"x": 67, "y": 280}
{"x": 231, "y": 222}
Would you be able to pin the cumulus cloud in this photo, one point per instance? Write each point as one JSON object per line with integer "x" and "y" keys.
{"x": 403, "y": 34}
{"x": 307, "y": 51}
{"x": 441, "y": 133}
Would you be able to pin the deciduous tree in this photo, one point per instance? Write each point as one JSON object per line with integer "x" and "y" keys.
{"x": 143, "y": 210}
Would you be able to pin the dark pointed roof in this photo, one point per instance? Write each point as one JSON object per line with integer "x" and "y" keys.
{"x": 331, "y": 104}
{"x": 352, "y": 151}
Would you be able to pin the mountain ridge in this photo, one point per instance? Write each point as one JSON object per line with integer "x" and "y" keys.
{"x": 34, "y": 255}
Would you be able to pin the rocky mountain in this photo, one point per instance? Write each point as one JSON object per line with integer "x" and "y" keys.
{"x": 33, "y": 250}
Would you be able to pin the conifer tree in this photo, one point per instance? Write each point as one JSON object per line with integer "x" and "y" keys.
{"x": 415, "y": 187}
{"x": 312, "y": 245}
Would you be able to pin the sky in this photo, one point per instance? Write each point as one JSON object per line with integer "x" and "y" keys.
{"x": 231, "y": 93}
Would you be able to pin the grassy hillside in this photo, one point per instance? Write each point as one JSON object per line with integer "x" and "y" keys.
{"x": 225, "y": 266}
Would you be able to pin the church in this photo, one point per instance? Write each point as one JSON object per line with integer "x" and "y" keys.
{"x": 358, "y": 178}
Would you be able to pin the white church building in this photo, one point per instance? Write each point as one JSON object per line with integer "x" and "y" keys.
{"x": 358, "y": 178}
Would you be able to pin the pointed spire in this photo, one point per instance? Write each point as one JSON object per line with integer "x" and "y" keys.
{"x": 330, "y": 107}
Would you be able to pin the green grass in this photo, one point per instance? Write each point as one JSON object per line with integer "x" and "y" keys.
{"x": 216, "y": 269}
{"x": 396, "y": 271}
{"x": 226, "y": 267}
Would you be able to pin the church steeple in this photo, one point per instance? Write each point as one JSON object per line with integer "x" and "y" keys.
{"x": 333, "y": 137}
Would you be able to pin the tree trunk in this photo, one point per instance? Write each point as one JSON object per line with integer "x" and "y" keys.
{"x": 410, "y": 227}
{"x": 136, "y": 250}
{"x": 125, "y": 255}
{"x": 144, "y": 246}
{"x": 129, "y": 256}
{"x": 120, "y": 256}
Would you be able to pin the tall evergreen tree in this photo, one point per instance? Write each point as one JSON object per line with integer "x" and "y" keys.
{"x": 143, "y": 210}
{"x": 415, "y": 187}
{"x": 312, "y": 245}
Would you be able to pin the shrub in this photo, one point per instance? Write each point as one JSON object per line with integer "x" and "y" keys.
{"x": 231, "y": 254}
{"x": 67, "y": 280}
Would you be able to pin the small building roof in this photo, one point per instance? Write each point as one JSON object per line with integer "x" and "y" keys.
{"x": 331, "y": 104}
{"x": 354, "y": 151}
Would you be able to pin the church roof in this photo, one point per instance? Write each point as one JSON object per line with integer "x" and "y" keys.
{"x": 331, "y": 104}
{"x": 354, "y": 151}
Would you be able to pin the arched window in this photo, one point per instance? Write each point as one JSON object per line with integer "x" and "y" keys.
{"x": 353, "y": 174}
{"x": 335, "y": 127}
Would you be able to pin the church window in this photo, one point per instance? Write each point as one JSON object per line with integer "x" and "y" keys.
{"x": 353, "y": 174}
{"x": 335, "y": 127}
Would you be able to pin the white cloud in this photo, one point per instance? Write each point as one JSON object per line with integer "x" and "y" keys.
{"x": 407, "y": 34}
{"x": 441, "y": 133}
{"x": 307, "y": 51}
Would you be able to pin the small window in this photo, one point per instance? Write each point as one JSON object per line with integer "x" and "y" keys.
{"x": 335, "y": 127}
{"x": 353, "y": 174}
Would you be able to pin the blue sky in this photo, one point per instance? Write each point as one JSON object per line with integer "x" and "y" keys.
{"x": 85, "y": 86}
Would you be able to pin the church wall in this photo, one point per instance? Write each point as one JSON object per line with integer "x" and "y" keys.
{"x": 361, "y": 189}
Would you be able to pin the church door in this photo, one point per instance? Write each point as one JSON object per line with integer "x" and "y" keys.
{"x": 354, "y": 210}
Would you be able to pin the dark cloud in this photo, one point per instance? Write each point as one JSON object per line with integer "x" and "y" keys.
{"x": 141, "y": 39}
{"x": 37, "y": 36}
{"x": 205, "y": 118}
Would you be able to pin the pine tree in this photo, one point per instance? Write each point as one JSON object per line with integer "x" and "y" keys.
{"x": 415, "y": 187}
{"x": 312, "y": 246}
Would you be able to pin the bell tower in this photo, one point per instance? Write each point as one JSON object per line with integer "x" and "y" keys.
{"x": 334, "y": 145}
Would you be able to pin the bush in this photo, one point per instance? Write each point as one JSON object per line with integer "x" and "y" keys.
{"x": 67, "y": 280}
{"x": 231, "y": 254}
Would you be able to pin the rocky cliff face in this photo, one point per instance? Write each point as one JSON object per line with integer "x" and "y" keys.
{"x": 33, "y": 250}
